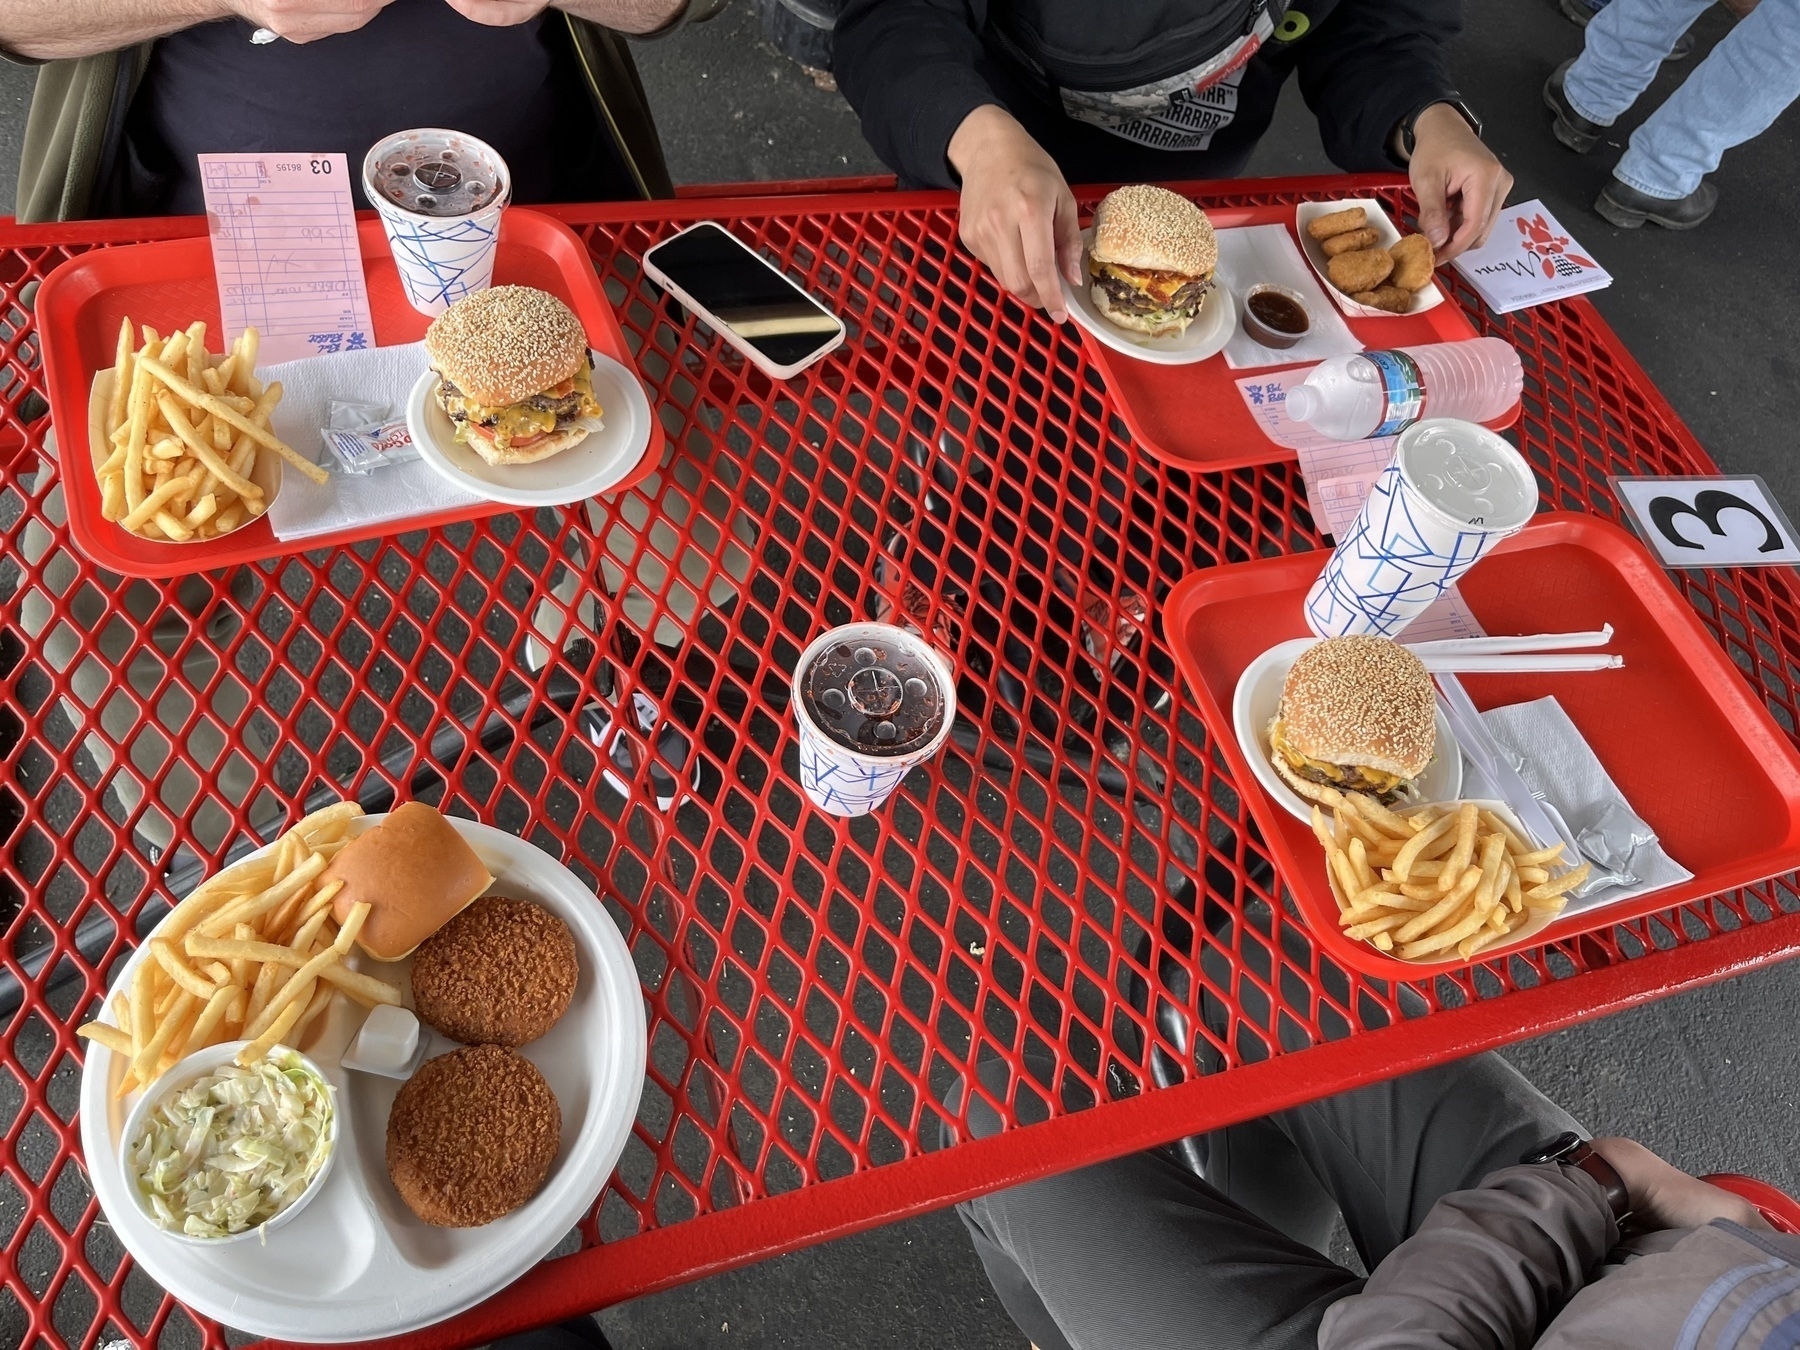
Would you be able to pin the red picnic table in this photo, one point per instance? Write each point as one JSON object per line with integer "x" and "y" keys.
{"x": 1034, "y": 920}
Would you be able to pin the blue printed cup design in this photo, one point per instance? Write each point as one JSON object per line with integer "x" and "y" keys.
{"x": 1399, "y": 557}
{"x": 846, "y": 782}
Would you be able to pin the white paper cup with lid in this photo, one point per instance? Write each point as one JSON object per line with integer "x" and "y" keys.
{"x": 440, "y": 195}
{"x": 1452, "y": 491}
{"x": 872, "y": 701}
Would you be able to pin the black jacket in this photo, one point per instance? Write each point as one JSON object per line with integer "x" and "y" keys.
{"x": 913, "y": 69}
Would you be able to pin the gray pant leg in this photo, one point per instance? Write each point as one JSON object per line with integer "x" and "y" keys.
{"x": 1390, "y": 1151}
{"x": 1140, "y": 1252}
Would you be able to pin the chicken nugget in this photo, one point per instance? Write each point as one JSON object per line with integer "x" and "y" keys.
{"x": 1413, "y": 262}
{"x": 1361, "y": 270}
{"x": 1349, "y": 242}
{"x": 1390, "y": 298}
{"x": 1338, "y": 222}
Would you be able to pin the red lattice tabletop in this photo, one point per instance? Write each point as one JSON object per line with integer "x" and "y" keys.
{"x": 1068, "y": 917}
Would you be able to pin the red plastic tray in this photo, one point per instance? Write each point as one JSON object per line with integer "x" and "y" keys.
{"x": 171, "y": 284}
{"x": 1193, "y": 415}
{"x": 1698, "y": 757}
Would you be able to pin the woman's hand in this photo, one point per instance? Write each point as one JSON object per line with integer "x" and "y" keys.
{"x": 1664, "y": 1196}
{"x": 1017, "y": 214}
{"x": 1461, "y": 187}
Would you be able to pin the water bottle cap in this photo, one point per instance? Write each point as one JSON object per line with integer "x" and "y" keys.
{"x": 1302, "y": 402}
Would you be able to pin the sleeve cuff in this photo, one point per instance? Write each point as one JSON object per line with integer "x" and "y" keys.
{"x": 934, "y": 120}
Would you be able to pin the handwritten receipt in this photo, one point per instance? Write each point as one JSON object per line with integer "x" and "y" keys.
{"x": 285, "y": 252}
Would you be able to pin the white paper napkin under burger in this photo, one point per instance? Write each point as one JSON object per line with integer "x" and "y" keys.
{"x": 1252, "y": 254}
{"x": 1567, "y": 777}
{"x": 384, "y": 375}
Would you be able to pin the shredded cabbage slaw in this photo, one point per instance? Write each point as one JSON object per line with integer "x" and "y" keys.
{"x": 232, "y": 1149}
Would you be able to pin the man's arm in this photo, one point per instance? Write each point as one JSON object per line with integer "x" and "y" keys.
{"x": 908, "y": 67}
{"x": 57, "y": 30}
{"x": 1489, "y": 1267}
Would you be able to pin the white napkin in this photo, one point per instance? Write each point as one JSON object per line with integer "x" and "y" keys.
{"x": 304, "y": 509}
{"x": 1564, "y": 774}
{"x": 1252, "y": 254}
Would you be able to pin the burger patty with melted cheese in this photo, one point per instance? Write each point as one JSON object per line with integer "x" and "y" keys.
{"x": 536, "y": 416}
{"x": 1387, "y": 787}
{"x": 1137, "y": 290}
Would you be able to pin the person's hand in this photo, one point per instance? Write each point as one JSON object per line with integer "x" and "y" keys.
{"x": 1460, "y": 185}
{"x": 499, "y": 13}
{"x": 1017, "y": 214}
{"x": 309, "y": 20}
{"x": 1664, "y": 1196}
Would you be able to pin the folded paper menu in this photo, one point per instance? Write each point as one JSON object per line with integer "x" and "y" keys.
{"x": 380, "y": 375}
{"x": 1528, "y": 259}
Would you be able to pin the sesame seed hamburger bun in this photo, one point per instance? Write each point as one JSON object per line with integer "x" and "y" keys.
{"x": 1155, "y": 230}
{"x": 506, "y": 343}
{"x": 1152, "y": 259}
{"x": 513, "y": 374}
{"x": 1357, "y": 714}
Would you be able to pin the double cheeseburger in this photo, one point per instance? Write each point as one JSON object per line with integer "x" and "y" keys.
{"x": 513, "y": 373}
{"x": 1152, "y": 260}
{"x": 1357, "y": 714}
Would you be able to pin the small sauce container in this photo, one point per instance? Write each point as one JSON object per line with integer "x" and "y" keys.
{"x": 388, "y": 1044}
{"x": 1275, "y": 316}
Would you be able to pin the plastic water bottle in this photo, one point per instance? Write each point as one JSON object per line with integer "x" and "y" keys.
{"x": 1381, "y": 393}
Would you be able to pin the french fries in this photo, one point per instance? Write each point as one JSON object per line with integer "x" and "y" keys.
{"x": 252, "y": 954}
{"x": 1441, "y": 880}
{"x": 184, "y": 427}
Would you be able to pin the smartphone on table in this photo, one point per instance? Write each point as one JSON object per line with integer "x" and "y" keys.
{"x": 777, "y": 326}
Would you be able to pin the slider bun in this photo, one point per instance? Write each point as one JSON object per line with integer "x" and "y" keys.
{"x": 416, "y": 873}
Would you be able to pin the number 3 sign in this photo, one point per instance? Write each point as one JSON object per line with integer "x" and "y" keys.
{"x": 1709, "y": 522}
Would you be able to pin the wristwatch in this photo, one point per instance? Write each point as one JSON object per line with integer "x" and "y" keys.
{"x": 1455, "y": 100}
{"x": 1570, "y": 1150}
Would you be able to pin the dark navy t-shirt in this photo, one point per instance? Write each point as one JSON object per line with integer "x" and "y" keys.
{"x": 417, "y": 63}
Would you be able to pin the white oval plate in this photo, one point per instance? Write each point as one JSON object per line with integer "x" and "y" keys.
{"x": 358, "y": 1264}
{"x": 1427, "y": 297}
{"x": 1253, "y": 707}
{"x": 1206, "y": 336}
{"x": 596, "y": 465}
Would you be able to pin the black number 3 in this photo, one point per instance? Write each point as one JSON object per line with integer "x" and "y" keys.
{"x": 1706, "y": 508}
{"x": 321, "y": 166}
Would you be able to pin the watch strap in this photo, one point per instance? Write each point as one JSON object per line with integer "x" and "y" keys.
{"x": 1408, "y": 140}
{"x": 1569, "y": 1149}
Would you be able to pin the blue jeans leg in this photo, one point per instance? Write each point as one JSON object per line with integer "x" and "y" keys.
{"x": 1733, "y": 95}
{"x": 1625, "y": 46}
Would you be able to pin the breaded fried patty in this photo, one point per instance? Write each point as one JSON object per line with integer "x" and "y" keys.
{"x": 499, "y": 973}
{"x": 471, "y": 1136}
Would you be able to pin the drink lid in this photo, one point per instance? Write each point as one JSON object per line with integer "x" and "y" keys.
{"x": 434, "y": 172}
{"x": 875, "y": 689}
{"x": 1471, "y": 475}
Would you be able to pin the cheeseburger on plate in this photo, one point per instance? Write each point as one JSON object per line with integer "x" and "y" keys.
{"x": 1357, "y": 714}
{"x": 513, "y": 373}
{"x": 1151, "y": 260}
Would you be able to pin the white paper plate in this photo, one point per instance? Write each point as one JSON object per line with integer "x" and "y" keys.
{"x": 598, "y": 464}
{"x": 1426, "y": 298}
{"x": 1253, "y": 707}
{"x": 1205, "y": 336}
{"x": 357, "y": 1264}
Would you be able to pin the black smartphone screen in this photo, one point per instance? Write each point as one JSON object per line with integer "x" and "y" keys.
{"x": 744, "y": 293}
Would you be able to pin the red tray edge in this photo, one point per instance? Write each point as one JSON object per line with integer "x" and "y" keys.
{"x": 259, "y": 544}
{"x": 1178, "y": 610}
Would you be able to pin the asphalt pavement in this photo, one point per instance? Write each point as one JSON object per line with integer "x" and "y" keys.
{"x": 1709, "y": 1078}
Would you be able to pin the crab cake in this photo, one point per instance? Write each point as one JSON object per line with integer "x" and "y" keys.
{"x": 471, "y": 1136}
{"x": 499, "y": 973}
